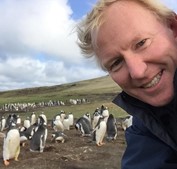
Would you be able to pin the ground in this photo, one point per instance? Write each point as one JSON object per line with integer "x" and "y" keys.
{"x": 75, "y": 153}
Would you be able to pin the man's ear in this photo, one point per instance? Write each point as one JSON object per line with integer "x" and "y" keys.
{"x": 173, "y": 25}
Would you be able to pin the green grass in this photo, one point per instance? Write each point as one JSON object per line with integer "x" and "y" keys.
{"x": 98, "y": 91}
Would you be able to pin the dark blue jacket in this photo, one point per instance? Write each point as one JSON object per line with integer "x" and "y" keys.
{"x": 152, "y": 138}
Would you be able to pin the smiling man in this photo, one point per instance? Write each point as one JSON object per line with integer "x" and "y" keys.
{"x": 136, "y": 42}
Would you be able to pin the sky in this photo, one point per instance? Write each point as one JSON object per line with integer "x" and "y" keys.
{"x": 38, "y": 45}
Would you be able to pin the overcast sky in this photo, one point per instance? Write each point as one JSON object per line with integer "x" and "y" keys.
{"x": 37, "y": 46}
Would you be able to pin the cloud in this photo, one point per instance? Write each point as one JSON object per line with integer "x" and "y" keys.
{"x": 38, "y": 46}
{"x": 38, "y": 26}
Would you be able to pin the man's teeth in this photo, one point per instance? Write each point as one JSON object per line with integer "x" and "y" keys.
{"x": 153, "y": 82}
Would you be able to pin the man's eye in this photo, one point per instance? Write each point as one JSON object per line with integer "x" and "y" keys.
{"x": 139, "y": 44}
{"x": 116, "y": 65}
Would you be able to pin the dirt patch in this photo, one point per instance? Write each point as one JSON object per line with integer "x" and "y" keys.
{"x": 76, "y": 153}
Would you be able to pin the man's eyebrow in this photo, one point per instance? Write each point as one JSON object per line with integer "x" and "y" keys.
{"x": 135, "y": 39}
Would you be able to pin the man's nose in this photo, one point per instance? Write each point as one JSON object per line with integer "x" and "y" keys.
{"x": 136, "y": 67}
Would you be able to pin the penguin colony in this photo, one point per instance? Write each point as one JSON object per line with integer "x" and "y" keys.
{"x": 34, "y": 130}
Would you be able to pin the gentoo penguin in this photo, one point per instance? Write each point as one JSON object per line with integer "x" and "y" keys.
{"x": 58, "y": 136}
{"x": 105, "y": 113}
{"x": 33, "y": 118}
{"x": 71, "y": 119}
{"x": 127, "y": 122}
{"x": 62, "y": 115}
{"x": 3, "y": 123}
{"x": 26, "y": 123}
{"x": 27, "y": 134}
{"x": 84, "y": 126}
{"x": 111, "y": 128}
{"x": 18, "y": 120}
{"x": 87, "y": 116}
{"x": 66, "y": 123}
{"x": 95, "y": 120}
{"x": 99, "y": 131}
{"x": 11, "y": 145}
{"x": 44, "y": 117}
{"x": 37, "y": 143}
{"x": 57, "y": 125}
{"x": 10, "y": 118}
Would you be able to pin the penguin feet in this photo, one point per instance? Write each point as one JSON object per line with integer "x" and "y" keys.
{"x": 6, "y": 162}
{"x": 100, "y": 144}
{"x": 16, "y": 159}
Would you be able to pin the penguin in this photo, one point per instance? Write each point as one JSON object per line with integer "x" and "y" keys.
{"x": 11, "y": 144}
{"x": 127, "y": 122}
{"x": 102, "y": 108}
{"x": 38, "y": 140}
{"x": 33, "y": 118}
{"x": 66, "y": 123}
{"x": 95, "y": 120}
{"x": 57, "y": 125}
{"x": 71, "y": 119}
{"x": 97, "y": 110}
{"x": 10, "y": 118}
{"x": 27, "y": 134}
{"x": 99, "y": 132}
{"x": 3, "y": 123}
{"x": 62, "y": 115}
{"x": 26, "y": 123}
{"x": 87, "y": 116}
{"x": 58, "y": 136}
{"x": 111, "y": 128}
{"x": 87, "y": 119}
{"x": 84, "y": 126}
{"x": 18, "y": 120}
{"x": 44, "y": 117}
{"x": 105, "y": 113}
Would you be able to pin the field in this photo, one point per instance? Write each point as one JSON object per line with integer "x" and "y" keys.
{"x": 77, "y": 152}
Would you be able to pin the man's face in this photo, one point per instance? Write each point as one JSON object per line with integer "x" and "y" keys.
{"x": 139, "y": 52}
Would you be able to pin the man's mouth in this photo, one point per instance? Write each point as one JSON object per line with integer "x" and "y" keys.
{"x": 154, "y": 81}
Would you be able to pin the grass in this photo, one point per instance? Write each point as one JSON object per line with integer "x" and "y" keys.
{"x": 98, "y": 91}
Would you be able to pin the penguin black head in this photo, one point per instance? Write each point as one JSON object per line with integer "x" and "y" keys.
{"x": 41, "y": 121}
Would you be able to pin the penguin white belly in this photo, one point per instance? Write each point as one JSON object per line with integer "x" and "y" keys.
{"x": 11, "y": 146}
{"x": 27, "y": 124}
{"x": 71, "y": 119}
{"x": 3, "y": 123}
{"x": 58, "y": 125}
{"x": 43, "y": 140}
{"x": 33, "y": 119}
{"x": 100, "y": 132}
{"x": 60, "y": 138}
{"x": 66, "y": 124}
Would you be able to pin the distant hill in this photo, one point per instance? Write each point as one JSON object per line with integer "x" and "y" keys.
{"x": 98, "y": 89}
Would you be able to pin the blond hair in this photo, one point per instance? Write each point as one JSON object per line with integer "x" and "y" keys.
{"x": 94, "y": 20}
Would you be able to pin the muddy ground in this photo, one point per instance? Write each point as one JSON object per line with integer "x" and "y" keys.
{"x": 76, "y": 153}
